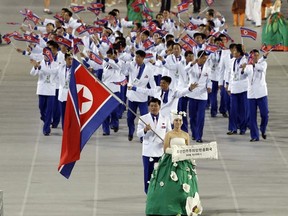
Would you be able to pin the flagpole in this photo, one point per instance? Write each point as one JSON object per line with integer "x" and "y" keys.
{"x": 122, "y": 102}
{"x": 242, "y": 41}
{"x": 77, "y": 16}
{"x": 203, "y": 10}
{"x": 13, "y": 45}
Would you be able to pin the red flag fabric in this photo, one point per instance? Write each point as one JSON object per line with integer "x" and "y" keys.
{"x": 149, "y": 55}
{"x": 7, "y": 40}
{"x": 94, "y": 57}
{"x": 245, "y": 32}
{"x": 81, "y": 29}
{"x": 147, "y": 16}
{"x": 93, "y": 30}
{"x": 189, "y": 40}
{"x": 183, "y": 7}
{"x": 190, "y": 26}
{"x": 97, "y": 5}
{"x": 187, "y": 47}
{"x": 96, "y": 11}
{"x": 63, "y": 41}
{"x": 12, "y": 34}
{"x": 29, "y": 15}
{"x": 152, "y": 26}
{"x": 88, "y": 105}
{"x": 77, "y": 9}
{"x": 147, "y": 44}
{"x": 211, "y": 48}
{"x": 100, "y": 22}
{"x": 251, "y": 58}
{"x": 59, "y": 17}
{"x": 31, "y": 38}
{"x": 122, "y": 83}
{"x": 48, "y": 53}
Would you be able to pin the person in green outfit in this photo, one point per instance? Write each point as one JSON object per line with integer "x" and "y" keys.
{"x": 135, "y": 12}
{"x": 275, "y": 30}
{"x": 173, "y": 188}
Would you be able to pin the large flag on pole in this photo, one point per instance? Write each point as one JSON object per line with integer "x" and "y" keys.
{"x": 88, "y": 104}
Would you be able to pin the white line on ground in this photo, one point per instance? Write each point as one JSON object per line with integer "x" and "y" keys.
{"x": 28, "y": 185}
{"x": 222, "y": 160}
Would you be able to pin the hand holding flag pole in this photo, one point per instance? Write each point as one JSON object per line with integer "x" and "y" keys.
{"x": 123, "y": 103}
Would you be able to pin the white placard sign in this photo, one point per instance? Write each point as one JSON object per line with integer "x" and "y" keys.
{"x": 201, "y": 151}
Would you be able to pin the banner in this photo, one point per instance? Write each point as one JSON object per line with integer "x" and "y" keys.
{"x": 201, "y": 151}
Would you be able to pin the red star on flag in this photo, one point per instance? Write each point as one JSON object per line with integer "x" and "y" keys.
{"x": 82, "y": 99}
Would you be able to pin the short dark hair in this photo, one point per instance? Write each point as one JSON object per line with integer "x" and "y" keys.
{"x": 53, "y": 44}
{"x": 116, "y": 10}
{"x": 232, "y": 45}
{"x": 146, "y": 32}
{"x": 188, "y": 52}
{"x": 68, "y": 54}
{"x": 203, "y": 36}
{"x": 239, "y": 49}
{"x": 50, "y": 24}
{"x": 169, "y": 36}
{"x": 177, "y": 44}
{"x": 70, "y": 14}
{"x": 201, "y": 53}
{"x": 254, "y": 51}
{"x": 154, "y": 100}
{"x": 170, "y": 43}
{"x": 112, "y": 13}
{"x": 218, "y": 39}
{"x": 141, "y": 53}
{"x": 211, "y": 12}
{"x": 111, "y": 51}
{"x": 167, "y": 79}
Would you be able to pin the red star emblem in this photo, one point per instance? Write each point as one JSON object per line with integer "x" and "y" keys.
{"x": 82, "y": 99}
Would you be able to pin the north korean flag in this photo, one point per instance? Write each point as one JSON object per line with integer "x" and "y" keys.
{"x": 245, "y": 32}
{"x": 59, "y": 17}
{"x": 77, "y": 9}
{"x": 211, "y": 48}
{"x": 189, "y": 40}
{"x": 97, "y": 5}
{"x": 94, "y": 57}
{"x": 31, "y": 38}
{"x": 251, "y": 58}
{"x": 29, "y": 15}
{"x": 81, "y": 29}
{"x": 7, "y": 40}
{"x": 147, "y": 16}
{"x": 93, "y": 30}
{"x": 63, "y": 41}
{"x": 149, "y": 56}
{"x": 101, "y": 22}
{"x": 48, "y": 53}
{"x": 96, "y": 11}
{"x": 183, "y": 7}
{"x": 88, "y": 105}
{"x": 190, "y": 26}
{"x": 147, "y": 44}
{"x": 187, "y": 47}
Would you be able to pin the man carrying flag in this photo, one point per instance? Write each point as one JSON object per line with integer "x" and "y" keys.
{"x": 47, "y": 71}
{"x": 88, "y": 104}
